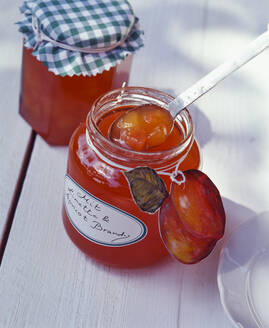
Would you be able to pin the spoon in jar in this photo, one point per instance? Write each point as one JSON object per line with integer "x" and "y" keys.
{"x": 149, "y": 125}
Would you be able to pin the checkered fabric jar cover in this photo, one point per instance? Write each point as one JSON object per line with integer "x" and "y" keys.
{"x": 80, "y": 37}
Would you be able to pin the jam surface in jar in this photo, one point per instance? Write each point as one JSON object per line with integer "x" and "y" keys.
{"x": 54, "y": 105}
{"x": 95, "y": 181}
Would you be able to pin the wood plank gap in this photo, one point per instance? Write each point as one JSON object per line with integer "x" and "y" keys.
{"x": 16, "y": 194}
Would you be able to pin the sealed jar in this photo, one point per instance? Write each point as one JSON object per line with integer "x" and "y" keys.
{"x": 99, "y": 212}
{"x": 74, "y": 51}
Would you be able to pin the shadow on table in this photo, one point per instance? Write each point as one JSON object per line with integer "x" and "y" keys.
{"x": 249, "y": 240}
{"x": 202, "y": 124}
{"x": 167, "y": 40}
{"x": 207, "y": 268}
{"x": 251, "y": 141}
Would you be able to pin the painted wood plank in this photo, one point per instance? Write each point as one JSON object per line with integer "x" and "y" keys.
{"x": 14, "y": 132}
{"x": 235, "y": 135}
{"x": 45, "y": 281}
{"x": 231, "y": 126}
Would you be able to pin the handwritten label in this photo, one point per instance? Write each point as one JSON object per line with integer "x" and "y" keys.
{"x": 99, "y": 221}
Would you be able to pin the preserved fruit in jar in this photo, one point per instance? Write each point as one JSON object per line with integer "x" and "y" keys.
{"x": 70, "y": 58}
{"x": 99, "y": 213}
{"x": 54, "y": 105}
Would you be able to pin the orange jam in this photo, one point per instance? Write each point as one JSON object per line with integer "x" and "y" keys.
{"x": 99, "y": 213}
{"x": 54, "y": 105}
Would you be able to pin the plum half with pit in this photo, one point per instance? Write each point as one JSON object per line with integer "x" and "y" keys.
{"x": 192, "y": 217}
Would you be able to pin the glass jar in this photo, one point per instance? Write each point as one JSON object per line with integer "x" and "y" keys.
{"x": 73, "y": 52}
{"x": 54, "y": 105}
{"x": 99, "y": 213}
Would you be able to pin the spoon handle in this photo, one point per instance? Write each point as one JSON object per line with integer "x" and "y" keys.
{"x": 218, "y": 74}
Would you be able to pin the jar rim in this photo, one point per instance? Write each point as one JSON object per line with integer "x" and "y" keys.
{"x": 146, "y": 94}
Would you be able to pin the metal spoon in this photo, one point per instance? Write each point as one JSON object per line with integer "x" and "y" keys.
{"x": 201, "y": 87}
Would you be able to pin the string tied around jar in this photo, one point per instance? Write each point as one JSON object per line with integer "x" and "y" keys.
{"x": 41, "y": 36}
{"x": 176, "y": 172}
{"x": 173, "y": 175}
{"x": 80, "y": 37}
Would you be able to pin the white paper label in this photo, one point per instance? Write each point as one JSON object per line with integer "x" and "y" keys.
{"x": 99, "y": 221}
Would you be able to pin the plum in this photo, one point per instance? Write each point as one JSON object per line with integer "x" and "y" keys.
{"x": 192, "y": 217}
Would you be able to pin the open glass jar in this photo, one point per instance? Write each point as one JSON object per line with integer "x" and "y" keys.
{"x": 99, "y": 213}
{"x": 73, "y": 52}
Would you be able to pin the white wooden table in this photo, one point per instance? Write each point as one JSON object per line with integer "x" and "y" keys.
{"x": 45, "y": 281}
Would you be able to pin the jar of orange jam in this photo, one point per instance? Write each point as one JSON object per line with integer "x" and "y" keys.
{"x": 74, "y": 51}
{"x": 54, "y": 105}
{"x": 99, "y": 213}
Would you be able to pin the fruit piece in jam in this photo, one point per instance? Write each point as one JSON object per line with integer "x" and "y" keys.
{"x": 142, "y": 128}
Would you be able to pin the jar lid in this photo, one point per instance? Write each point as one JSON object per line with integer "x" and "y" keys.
{"x": 81, "y": 37}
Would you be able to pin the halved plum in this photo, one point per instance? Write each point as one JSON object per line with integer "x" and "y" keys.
{"x": 192, "y": 218}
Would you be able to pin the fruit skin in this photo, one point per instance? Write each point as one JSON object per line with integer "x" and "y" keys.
{"x": 192, "y": 218}
{"x": 142, "y": 128}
